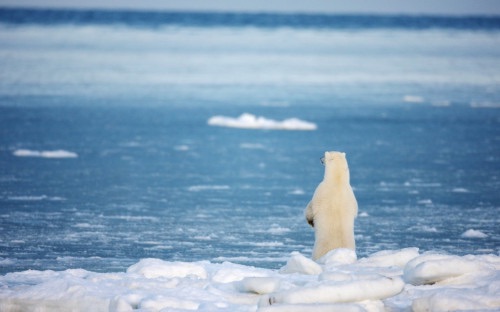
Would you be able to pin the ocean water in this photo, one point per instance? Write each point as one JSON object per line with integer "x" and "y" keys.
{"x": 106, "y": 156}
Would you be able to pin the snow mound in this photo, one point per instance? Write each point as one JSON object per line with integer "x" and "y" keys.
{"x": 393, "y": 280}
{"x": 300, "y": 264}
{"x": 154, "y": 268}
{"x": 249, "y": 121}
{"x": 44, "y": 154}
{"x": 389, "y": 258}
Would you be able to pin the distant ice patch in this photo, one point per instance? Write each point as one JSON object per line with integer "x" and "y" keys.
{"x": 252, "y": 146}
{"x": 413, "y": 99}
{"x": 471, "y": 233}
{"x": 423, "y": 228}
{"x": 297, "y": 191}
{"x": 425, "y": 202}
{"x": 181, "y": 148}
{"x": 44, "y": 154}
{"x": 198, "y": 188}
{"x": 249, "y": 121}
{"x": 275, "y": 229}
{"x": 35, "y": 198}
{"x": 485, "y": 104}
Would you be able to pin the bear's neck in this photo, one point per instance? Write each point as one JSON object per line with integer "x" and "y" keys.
{"x": 336, "y": 177}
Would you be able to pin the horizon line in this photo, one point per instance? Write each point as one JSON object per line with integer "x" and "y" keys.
{"x": 247, "y": 12}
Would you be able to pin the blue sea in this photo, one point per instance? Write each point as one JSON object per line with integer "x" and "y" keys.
{"x": 106, "y": 156}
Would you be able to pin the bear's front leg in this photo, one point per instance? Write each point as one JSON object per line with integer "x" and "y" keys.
{"x": 310, "y": 214}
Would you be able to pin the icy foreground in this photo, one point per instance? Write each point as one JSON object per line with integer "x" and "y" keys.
{"x": 390, "y": 280}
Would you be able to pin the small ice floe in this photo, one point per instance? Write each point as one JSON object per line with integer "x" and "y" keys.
{"x": 471, "y": 233}
{"x": 44, "y": 154}
{"x": 249, "y": 121}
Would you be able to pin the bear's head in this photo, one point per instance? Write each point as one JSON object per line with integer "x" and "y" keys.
{"x": 336, "y": 166}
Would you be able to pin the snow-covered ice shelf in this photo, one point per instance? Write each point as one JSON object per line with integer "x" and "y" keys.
{"x": 388, "y": 280}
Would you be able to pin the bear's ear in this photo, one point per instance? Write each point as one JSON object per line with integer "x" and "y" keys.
{"x": 343, "y": 154}
{"x": 327, "y": 154}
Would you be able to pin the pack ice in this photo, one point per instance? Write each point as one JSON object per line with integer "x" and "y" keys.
{"x": 399, "y": 280}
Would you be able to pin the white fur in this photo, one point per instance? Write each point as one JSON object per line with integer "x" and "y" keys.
{"x": 333, "y": 208}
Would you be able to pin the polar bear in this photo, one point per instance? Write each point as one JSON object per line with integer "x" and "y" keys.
{"x": 333, "y": 208}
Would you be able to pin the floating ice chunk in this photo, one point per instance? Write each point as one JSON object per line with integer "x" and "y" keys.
{"x": 433, "y": 268}
{"x": 388, "y": 258}
{"x": 473, "y": 234}
{"x": 153, "y": 268}
{"x": 231, "y": 272}
{"x": 59, "y": 154}
{"x": 300, "y": 264}
{"x": 485, "y": 297}
{"x": 44, "y": 154}
{"x": 249, "y": 121}
{"x": 337, "y": 292}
